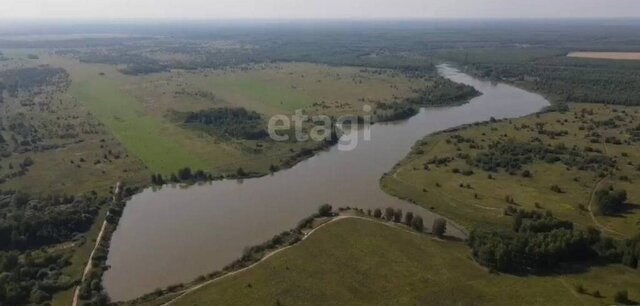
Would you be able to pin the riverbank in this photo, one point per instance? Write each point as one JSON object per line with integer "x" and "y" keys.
{"x": 304, "y": 230}
{"x": 353, "y": 261}
{"x": 472, "y": 184}
{"x": 342, "y": 178}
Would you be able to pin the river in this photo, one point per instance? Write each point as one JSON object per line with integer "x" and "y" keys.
{"x": 174, "y": 234}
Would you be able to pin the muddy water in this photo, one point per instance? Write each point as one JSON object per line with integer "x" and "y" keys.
{"x": 174, "y": 234}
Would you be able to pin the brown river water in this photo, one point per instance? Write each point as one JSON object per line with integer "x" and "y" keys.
{"x": 174, "y": 234}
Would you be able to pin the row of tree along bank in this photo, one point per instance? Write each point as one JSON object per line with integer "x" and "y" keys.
{"x": 325, "y": 214}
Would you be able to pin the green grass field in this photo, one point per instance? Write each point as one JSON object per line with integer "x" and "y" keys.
{"x": 136, "y": 109}
{"x": 358, "y": 262}
{"x": 87, "y": 160}
{"x": 277, "y": 88}
{"x": 483, "y": 203}
{"x": 154, "y": 141}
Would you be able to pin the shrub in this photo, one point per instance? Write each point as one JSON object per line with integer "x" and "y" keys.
{"x": 389, "y": 213}
{"x": 610, "y": 201}
{"x": 556, "y": 189}
{"x": 408, "y": 217}
{"x": 325, "y": 210}
{"x": 397, "y": 216}
{"x": 417, "y": 224}
{"x": 377, "y": 213}
{"x": 439, "y": 227}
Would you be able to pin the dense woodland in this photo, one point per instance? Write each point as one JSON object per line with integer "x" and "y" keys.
{"x": 28, "y": 223}
{"x": 540, "y": 243}
{"x": 30, "y": 229}
{"x": 561, "y": 78}
{"x": 231, "y": 122}
{"x": 443, "y": 92}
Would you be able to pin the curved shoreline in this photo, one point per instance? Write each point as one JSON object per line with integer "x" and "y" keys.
{"x": 336, "y": 177}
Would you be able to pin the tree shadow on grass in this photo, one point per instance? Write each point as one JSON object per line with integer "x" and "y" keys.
{"x": 626, "y": 209}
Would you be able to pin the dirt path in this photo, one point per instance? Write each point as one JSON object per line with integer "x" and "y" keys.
{"x": 87, "y": 268}
{"x": 307, "y": 235}
{"x": 592, "y": 197}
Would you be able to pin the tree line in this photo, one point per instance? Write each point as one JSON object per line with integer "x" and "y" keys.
{"x": 538, "y": 242}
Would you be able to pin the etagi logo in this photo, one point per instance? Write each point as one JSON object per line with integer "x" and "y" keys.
{"x": 346, "y": 130}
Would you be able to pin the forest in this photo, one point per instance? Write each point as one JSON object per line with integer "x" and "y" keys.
{"x": 562, "y": 78}
{"x": 230, "y": 122}
{"x": 538, "y": 243}
{"x": 30, "y": 227}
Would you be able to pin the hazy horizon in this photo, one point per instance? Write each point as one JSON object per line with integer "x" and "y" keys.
{"x": 317, "y": 9}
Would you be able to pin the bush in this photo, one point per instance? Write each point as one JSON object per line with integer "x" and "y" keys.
{"x": 556, "y": 189}
{"x": 610, "y": 201}
{"x": 408, "y": 217}
{"x": 389, "y": 213}
{"x": 397, "y": 216}
{"x": 377, "y": 213}
{"x": 325, "y": 210}
{"x": 439, "y": 227}
{"x": 417, "y": 224}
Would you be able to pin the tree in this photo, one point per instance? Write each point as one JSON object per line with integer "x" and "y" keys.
{"x": 240, "y": 172}
{"x": 174, "y": 178}
{"x": 27, "y": 162}
{"x": 185, "y": 174}
{"x": 408, "y": 217}
{"x": 439, "y": 227}
{"x": 324, "y": 210}
{"x": 377, "y": 213}
{"x": 610, "y": 201}
{"x": 397, "y": 216}
{"x": 389, "y": 213}
{"x": 417, "y": 224}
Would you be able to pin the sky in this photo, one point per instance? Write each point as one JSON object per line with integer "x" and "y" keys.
{"x": 316, "y": 9}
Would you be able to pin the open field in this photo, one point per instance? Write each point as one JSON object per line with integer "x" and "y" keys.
{"x": 64, "y": 140}
{"x": 634, "y": 56}
{"x": 137, "y": 109}
{"x": 283, "y": 88}
{"x": 355, "y": 261}
{"x": 440, "y": 174}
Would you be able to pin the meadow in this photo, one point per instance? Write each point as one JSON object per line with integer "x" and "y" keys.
{"x": 138, "y": 110}
{"x": 439, "y": 173}
{"x": 354, "y": 261}
{"x": 71, "y": 143}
